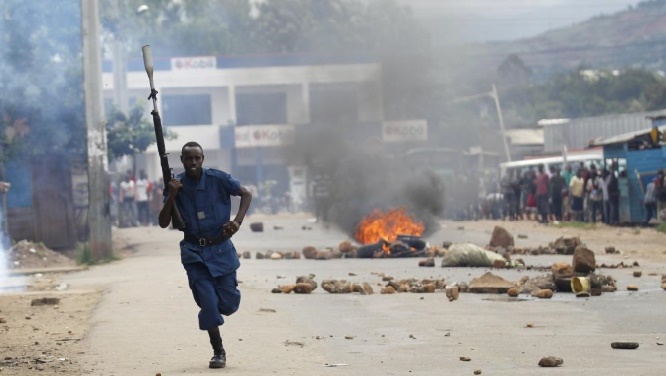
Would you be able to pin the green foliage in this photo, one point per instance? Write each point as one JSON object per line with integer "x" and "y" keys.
{"x": 582, "y": 93}
{"x": 84, "y": 255}
{"x": 132, "y": 133}
{"x": 661, "y": 227}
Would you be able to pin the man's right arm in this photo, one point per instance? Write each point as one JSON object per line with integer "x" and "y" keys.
{"x": 165, "y": 214}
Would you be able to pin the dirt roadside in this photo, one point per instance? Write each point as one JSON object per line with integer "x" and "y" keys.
{"x": 42, "y": 321}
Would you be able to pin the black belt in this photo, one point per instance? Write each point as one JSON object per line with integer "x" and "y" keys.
{"x": 205, "y": 241}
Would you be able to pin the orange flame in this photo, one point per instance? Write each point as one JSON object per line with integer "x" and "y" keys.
{"x": 379, "y": 225}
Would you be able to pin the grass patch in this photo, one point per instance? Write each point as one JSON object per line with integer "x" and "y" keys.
{"x": 577, "y": 225}
{"x": 84, "y": 255}
{"x": 661, "y": 227}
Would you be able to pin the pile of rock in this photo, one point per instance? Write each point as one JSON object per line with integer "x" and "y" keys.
{"x": 577, "y": 277}
{"x": 273, "y": 255}
{"x": 412, "y": 285}
{"x": 27, "y": 254}
{"x": 306, "y": 284}
{"x": 303, "y": 285}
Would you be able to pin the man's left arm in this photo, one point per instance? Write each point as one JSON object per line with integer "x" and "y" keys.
{"x": 231, "y": 227}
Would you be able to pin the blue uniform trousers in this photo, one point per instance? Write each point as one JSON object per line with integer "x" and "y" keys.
{"x": 216, "y": 296}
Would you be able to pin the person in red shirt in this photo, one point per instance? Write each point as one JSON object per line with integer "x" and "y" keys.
{"x": 542, "y": 182}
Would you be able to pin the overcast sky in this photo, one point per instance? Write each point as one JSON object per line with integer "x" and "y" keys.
{"x": 481, "y": 20}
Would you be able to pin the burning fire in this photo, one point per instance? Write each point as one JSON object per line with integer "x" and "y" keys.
{"x": 379, "y": 225}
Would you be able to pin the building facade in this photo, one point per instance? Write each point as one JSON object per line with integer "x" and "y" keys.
{"x": 247, "y": 111}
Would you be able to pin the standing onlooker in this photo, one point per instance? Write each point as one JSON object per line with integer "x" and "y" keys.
{"x": 613, "y": 188}
{"x": 541, "y": 181}
{"x": 585, "y": 175}
{"x": 113, "y": 202}
{"x": 650, "y": 201}
{"x": 517, "y": 192}
{"x": 660, "y": 193}
{"x": 528, "y": 189}
{"x": 595, "y": 198}
{"x": 567, "y": 174}
{"x": 576, "y": 189}
{"x": 126, "y": 198}
{"x": 558, "y": 188}
{"x": 156, "y": 200}
{"x": 507, "y": 185}
{"x": 605, "y": 207}
{"x": 321, "y": 191}
{"x": 141, "y": 197}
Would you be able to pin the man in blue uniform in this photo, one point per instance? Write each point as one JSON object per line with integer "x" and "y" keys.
{"x": 202, "y": 195}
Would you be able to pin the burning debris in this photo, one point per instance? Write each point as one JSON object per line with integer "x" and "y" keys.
{"x": 386, "y": 226}
{"x": 390, "y": 234}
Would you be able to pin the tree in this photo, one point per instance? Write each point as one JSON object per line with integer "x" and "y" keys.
{"x": 130, "y": 134}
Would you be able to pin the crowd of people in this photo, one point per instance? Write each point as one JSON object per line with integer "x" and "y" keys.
{"x": 135, "y": 201}
{"x": 580, "y": 193}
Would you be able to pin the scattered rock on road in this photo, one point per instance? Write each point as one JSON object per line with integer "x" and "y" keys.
{"x": 543, "y": 293}
{"x": 490, "y": 283}
{"x": 309, "y": 252}
{"x": 551, "y": 361}
{"x": 429, "y": 262}
{"x": 583, "y": 260}
{"x": 452, "y": 293}
{"x": 257, "y": 226}
{"x": 611, "y": 250}
{"x": 624, "y": 345}
{"x": 565, "y": 246}
{"x": 501, "y": 237}
{"x": 45, "y": 301}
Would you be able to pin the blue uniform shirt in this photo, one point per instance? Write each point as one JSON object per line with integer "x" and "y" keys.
{"x": 205, "y": 207}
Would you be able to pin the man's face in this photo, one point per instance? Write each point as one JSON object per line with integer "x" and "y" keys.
{"x": 192, "y": 159}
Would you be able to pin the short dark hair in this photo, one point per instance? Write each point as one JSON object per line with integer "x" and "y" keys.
{"x": 189, "y": 145}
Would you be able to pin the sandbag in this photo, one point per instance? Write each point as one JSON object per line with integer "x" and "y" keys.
{"x": 467, "y": 254}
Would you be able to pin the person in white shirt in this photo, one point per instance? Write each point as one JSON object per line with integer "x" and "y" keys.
{"x": 576, "y": 188}
{"x": 126, "y": 199}
{"x": 142, "y": 194}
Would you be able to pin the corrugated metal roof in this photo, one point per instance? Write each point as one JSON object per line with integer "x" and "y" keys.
{"x": 577, "y": 133}
{"x": 622, "y": 138}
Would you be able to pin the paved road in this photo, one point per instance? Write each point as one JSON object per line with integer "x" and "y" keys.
{"x": 146, "y": 322}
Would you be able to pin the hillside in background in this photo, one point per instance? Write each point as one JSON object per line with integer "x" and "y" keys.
{"x": 635, "y": 37}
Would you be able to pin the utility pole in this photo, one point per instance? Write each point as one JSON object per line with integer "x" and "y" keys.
{"x": 501, "y": 121}
{"x": 493, "y": 94}
{"x": 99, "y": 216}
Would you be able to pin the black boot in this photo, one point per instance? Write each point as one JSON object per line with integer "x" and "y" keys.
{"x": 219, "y": 359}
